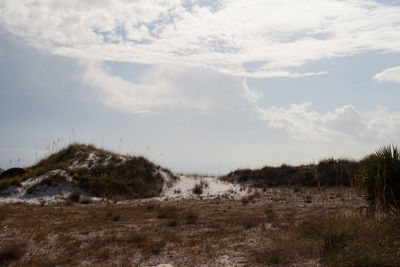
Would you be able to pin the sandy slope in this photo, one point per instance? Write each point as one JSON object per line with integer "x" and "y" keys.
{"x": 52, "y": 191}
{"x": 56, "y": 185}
{"x": 211, "y": 187}
{"x": 42, "y": 188}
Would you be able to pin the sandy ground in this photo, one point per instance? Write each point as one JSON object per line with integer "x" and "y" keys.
{"x": 211, "y": 187}
{"x": 257, "y": 228}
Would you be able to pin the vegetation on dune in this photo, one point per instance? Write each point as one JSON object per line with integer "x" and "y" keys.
{"x": 110, "y": 175}
{"x": 136, "y": 177}
{"x": 12, "y": 172}
{"x": 106, "y": 174}
{"x": 327, "y": 172}
{"x": 72, "y": 153}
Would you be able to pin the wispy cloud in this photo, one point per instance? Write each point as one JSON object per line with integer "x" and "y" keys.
{"x": 389, "y": 75}
{"x": 224, "y": 36}
{"x": 166, "y": 86}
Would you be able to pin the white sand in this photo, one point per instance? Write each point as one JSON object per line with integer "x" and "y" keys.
{"x": 212, "y": 187}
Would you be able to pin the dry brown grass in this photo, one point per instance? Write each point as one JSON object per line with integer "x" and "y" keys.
{"x": 192, "y": 232}
{"x": 11, "y": 250}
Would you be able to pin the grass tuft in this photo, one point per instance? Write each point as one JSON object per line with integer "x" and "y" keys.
{"x": 11, "y": 251}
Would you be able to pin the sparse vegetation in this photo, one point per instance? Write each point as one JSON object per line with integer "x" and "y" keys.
{"x": 329, "y": 172}
{"x": 250, "y": 198}
{"x": 200, "y": 232}
{"x": 317, "y": 220}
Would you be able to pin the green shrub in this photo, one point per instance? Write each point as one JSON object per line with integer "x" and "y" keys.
{"x": 135, "y": 178}
{"x": 337, "y": 171}
{"x": 328, "y": 172}
{"x": 381, "y": 178}
{"x": 197, "y": 189}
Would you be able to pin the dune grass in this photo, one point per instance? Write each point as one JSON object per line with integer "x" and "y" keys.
{"x": 111, "y": 176}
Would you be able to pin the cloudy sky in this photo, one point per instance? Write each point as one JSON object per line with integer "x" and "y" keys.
{"x": 200, "y": 86}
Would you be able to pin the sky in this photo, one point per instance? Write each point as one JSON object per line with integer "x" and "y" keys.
{"x": 205, "y": 86}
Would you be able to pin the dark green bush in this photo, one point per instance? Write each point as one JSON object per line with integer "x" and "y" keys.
{"x": 337, "y": 171}
{"x": 328, "y": 172}
{"x": 381, "y": 178}
{"x": 136, "y": 177}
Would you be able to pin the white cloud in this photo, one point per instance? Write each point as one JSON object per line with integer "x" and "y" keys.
{"x": 170, "y": 87}
{"x": 344, "y": 123}
{"x": 389, "y": 75}
{"x": 280, "y": 34}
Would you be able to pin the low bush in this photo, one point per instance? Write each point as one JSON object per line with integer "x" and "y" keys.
{"x": 31, "y": 190}
{"x": 198, "y": 189}
{"x": 75, "y": 196}
{"x": 12, "y": 172}
{"x": 135, "y": 178}
{"x": 327, "y": 172}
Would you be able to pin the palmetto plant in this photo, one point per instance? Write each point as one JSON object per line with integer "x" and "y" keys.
{"x": 381, "y": 178}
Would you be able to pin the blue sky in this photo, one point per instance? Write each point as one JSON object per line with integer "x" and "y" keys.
{"x": 200, "y": 86}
